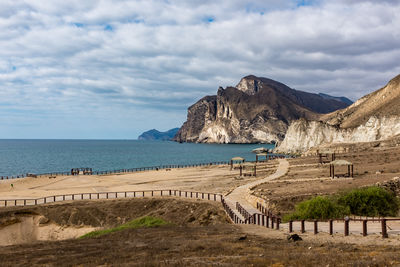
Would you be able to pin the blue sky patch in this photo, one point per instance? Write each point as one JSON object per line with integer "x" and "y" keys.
{"x": 78, "y": 24}
{"x": 108, "y": 28}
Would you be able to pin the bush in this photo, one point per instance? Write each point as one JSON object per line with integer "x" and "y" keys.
{"x": 370, "y": 201}
{"x": 318, "y": 208}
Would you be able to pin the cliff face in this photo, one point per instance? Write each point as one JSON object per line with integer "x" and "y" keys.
{"x": 374, "y": 117}
{"x": 257, "y": 110}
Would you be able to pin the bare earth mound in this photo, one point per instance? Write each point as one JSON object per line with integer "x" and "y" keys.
{"x": 71, "y": 220}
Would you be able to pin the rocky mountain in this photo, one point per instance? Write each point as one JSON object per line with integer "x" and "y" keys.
{"x": 157, "y": 135}
{"x": 342, "y": 99}
{"x": 373, "y": 117}
{"x": 257, "y": 110}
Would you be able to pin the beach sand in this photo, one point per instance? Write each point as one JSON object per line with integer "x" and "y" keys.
{"x": 211, "y": 179}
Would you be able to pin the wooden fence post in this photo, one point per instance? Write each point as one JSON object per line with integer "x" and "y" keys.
{"x": 384, "y": 229}
{"x": 290, "y": 226}
{"x": 303, "y": 228}
{"x": 346, "y": 226}
{"x": 331, "y": 227}
{"x": 365, "y": 228}
{"x": 315, "y": 227}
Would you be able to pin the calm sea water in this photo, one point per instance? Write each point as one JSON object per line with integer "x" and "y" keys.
{"x": 44, "y": 156}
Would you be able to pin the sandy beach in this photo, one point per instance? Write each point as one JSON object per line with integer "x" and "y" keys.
{"x": 212, "y": 179}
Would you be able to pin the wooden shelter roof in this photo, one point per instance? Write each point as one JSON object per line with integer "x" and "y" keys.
{"x": 340, "y": 162}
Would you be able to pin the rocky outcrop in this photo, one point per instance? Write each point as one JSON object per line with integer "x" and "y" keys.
{"x": 257, "y": 110}
{"x": 372, "y": 118}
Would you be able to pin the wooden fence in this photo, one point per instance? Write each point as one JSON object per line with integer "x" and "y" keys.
{"x": 110, "y": 195}
{"x": 345, "y": 221}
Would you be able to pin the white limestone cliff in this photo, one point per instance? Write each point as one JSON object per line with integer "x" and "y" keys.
{"x": 303, "y": 135}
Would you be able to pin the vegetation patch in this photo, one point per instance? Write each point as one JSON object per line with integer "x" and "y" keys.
{"x": 146, "y": 221}
{"x": 320, "y": 207}
{"x": 368, "y": 201}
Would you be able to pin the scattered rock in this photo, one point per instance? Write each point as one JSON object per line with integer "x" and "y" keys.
{"x": 244, "y": 237}
{"x": 294, "y": 238}
{"x": 43, "y": 220}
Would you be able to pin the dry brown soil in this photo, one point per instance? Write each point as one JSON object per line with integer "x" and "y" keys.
{"x": 198, "y": 236}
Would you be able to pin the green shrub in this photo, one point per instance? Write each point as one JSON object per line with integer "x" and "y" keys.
{"x": 146, "y": 221}
{"x": 370, "y": 201}
{"x": 318, "y": 208}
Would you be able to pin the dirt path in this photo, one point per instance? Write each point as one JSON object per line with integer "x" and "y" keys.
{"x": 239, "y": 193}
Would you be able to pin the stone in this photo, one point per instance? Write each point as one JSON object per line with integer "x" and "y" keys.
{"x": 243, "y": 237}
{"x": 294, "y": 238}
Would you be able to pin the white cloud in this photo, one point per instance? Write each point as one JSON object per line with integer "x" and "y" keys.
{"x": 116, "y": 61}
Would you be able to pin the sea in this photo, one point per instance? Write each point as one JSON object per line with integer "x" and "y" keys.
{"x": 18, "y": 157}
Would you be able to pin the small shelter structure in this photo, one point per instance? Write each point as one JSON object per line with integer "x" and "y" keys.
{"x": 326, "y": 155}
{"x": 85, "y": 171}
{"x": 239, "y": 160}
{"x": 265, "y": 154}
{"x": 341, "y": 162}
{"x": 249, "y": 167}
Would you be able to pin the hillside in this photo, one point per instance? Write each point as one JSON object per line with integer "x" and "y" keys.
{"x": 373, "y": 117}
{"x": 257, "y": 110}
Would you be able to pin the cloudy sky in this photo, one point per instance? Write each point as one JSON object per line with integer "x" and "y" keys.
{"x": 113, "y": 68}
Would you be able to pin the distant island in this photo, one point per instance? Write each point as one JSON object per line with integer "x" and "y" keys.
{"x": 157, "y": 135}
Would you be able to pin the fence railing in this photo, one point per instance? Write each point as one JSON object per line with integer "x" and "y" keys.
{"x": 110, "y": 195}
{"x": 130, "y": 170}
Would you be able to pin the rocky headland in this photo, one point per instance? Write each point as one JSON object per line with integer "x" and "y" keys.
{"x": 256, "y": 110}
{"x": 373, "y": 117}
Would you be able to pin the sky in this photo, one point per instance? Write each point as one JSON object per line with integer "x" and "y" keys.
{"x": 111, "y": 69}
